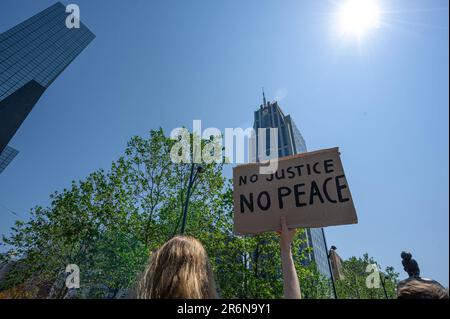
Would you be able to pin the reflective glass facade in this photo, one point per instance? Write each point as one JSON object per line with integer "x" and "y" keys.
{"x": 39, "y": 49}
{"x": 6, "y": 157}
{"x": 32, "y": 55}
{"x": 290, "y": 141}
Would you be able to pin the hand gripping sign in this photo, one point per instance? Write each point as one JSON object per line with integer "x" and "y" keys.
{"x": 309, "y": 189}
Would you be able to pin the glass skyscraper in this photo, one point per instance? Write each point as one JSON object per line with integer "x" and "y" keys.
{"x": 290, "y": 141}
{"x": 6, "y": 157}
{"x": 32, "y": 55}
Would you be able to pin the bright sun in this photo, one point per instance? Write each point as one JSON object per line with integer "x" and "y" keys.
{"x": 357, "y": 17}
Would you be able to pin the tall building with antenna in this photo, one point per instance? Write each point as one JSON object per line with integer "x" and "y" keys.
{"x": 290, "y": 141}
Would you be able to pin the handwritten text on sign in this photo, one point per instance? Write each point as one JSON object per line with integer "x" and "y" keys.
{"x": 310, "y": 189}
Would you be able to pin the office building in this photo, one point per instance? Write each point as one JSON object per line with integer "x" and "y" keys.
{"x": 32, "y": 55}
{"x": 290, "y": 141}
{"x": 6, "y": 157}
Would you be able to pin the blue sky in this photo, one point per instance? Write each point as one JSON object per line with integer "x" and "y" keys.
{"x": 383, "y": 101}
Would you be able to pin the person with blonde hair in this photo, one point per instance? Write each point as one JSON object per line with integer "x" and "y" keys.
{"x": 180, "y": 269}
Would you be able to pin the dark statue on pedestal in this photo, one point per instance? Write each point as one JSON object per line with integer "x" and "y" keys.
{"x": 410, "y": 265}
{"x": 416, "y": 287}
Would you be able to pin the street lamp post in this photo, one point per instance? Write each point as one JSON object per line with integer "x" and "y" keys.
{"x": 192, "y": 177}
{"x": 329, "y": 264}
{"x": 383, "y": 282}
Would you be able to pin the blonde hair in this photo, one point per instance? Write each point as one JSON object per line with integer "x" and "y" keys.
{"x": 180, "y": 269}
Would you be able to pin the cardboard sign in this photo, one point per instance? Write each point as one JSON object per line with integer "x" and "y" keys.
{"x": 309, "y": 189}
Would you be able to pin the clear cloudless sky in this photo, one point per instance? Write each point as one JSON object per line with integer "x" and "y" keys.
{"x": 384, "y": 101}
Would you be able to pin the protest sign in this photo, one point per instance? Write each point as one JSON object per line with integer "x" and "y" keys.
{"x": 309, "y": 189}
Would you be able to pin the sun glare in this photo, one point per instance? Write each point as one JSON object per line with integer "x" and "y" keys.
{"x": 357, "y": 17}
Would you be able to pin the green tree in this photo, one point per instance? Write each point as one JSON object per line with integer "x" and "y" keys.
{"x": 109, "y": 223}
{"x": 361, "y": 281}
{"x": 250, "y": 266}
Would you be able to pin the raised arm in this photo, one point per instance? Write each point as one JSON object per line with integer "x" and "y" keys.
{"x": 291, "y": 285}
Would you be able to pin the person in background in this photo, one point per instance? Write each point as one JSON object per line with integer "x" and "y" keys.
{"x": 180, "y": 269}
